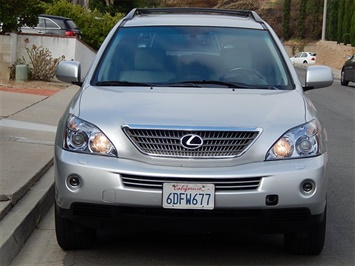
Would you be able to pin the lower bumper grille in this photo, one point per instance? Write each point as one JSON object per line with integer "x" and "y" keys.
{"x": 117, "y": 212}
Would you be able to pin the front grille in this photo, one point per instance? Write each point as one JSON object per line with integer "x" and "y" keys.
{"x": 167, "y": 142}
{"x": 221, "y": 184}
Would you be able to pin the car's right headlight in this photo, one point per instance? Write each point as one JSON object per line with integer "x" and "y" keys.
{"x": 299, "y": 142}
{"x": 82, "y": 136}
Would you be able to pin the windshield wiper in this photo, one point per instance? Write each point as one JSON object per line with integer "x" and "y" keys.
{"x": 266, "y": 87}
{"x": 188, "y": 83}
{"x": 122, "y": 83}
{"x": 196, "y": 83}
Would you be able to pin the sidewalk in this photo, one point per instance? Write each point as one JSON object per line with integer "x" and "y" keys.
{"x": 27, "y": 131}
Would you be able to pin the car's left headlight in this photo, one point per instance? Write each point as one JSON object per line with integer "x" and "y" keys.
{"x": 299, "y": 142}
{"x": 82, "y": 136}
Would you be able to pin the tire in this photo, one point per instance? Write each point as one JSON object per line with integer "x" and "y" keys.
{"x": 342, "y": 79}
{"x": 308, "y": 242}
{"x": 71, "y": 236}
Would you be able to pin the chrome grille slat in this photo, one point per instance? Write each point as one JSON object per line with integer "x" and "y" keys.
{"x": 217, "y": 143}
{"x": 153, "y": 182}
{"x": 129, "y": 184}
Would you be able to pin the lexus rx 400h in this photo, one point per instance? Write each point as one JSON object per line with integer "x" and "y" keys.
{"x": 195, "y": 117}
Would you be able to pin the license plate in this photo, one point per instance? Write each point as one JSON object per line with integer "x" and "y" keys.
{"x": 188, "y": 196}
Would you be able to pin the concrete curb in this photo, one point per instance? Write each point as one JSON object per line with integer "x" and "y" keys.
{"x": 18, "y": 195}
{"x": 18, "y": 225}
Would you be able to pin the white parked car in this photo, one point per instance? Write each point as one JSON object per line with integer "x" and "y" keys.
{"x": 304, "y": 58}
{"x": 192, "y": 119}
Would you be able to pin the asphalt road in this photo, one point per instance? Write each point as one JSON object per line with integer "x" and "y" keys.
{"x": 336, "y": 106}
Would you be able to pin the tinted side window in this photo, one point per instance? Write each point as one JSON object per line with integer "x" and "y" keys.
{"x": 70, "y": 24}
{"x": 51, "y": 25}
{"x": 41, "y": 23}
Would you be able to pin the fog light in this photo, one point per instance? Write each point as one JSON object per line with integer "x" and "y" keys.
{"x": 307, "y": 187}
{"x": 272, "y": 200}
{"x": 74, "y": 182}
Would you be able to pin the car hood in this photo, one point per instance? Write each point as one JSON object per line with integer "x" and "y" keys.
{"x": 186, "y": 107}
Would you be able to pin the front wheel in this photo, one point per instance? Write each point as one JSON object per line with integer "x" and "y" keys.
{"x": 310, "y": 242}
{"x": 71, "y": 235}
{"x": 342, "y": 79}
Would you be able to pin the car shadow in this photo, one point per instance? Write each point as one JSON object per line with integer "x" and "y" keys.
{"x": 163, "y": 248}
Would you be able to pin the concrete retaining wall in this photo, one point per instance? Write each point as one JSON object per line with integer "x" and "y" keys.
{"x": 294, "y": 49}
{"x": 329, "y": 53}
{"x": 8, "y": 44}
{"x": 12, "y": 47}
{"x": 333, "y": 54}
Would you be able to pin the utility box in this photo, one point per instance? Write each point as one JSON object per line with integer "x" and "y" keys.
{"x": 21, "y": 73}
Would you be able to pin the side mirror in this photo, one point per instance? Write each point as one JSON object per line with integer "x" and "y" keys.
{"x": 318, "y": 77}
{"x": 69, "y": 72}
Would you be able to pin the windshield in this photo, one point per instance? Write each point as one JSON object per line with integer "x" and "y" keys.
{"x": 170, "y": 56}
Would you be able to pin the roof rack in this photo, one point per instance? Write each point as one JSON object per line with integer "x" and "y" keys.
{"x": 186, "y": 10}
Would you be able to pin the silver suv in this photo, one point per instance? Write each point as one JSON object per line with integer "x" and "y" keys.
{"x": 192, "y": 119}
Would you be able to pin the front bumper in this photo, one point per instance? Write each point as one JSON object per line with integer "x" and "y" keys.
{"x": 102, "y": 189}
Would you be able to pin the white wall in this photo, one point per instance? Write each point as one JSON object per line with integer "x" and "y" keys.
{"x": 13, "y": 46}
{"x": 8, "y": 45}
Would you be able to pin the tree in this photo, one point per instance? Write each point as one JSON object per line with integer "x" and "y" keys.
{"x": 148, "y": 3}
{"x": 286, "y": 20}
{"x": 101, "y": 6}
{"x": 302, "y": 19}
{"x": 14, "y": 14}
{"x": 122, "y": 6}
{"x": 340, "y": 21}
{"x": 189, "y": 3}
{"x": 316, "y": 15}
{"x": 352, "y": 33}
{"x": 347, "y": 21}
{"x": 332, "y": 20}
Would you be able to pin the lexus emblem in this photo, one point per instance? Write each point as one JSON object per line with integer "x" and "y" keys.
{"x": 191, "y": 141}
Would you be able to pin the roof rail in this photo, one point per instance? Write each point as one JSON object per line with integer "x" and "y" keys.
{"x": 187, "y": 10}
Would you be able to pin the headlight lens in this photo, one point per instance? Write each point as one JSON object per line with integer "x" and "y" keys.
{"x": 81, "y": 136}
{"x": 302, "y": 141}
